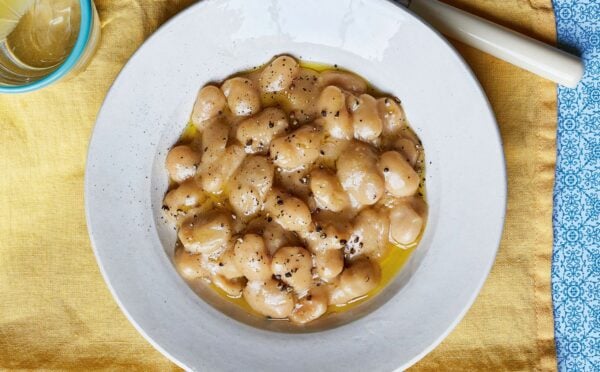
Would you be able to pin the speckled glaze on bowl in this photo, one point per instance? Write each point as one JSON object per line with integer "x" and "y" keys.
{"x": 149, "y": 105}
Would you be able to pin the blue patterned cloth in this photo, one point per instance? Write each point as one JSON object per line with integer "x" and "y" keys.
{"x": 576, "y": 217}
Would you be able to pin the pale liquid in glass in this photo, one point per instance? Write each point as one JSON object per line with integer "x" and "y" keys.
{"x": 42, "y": 39}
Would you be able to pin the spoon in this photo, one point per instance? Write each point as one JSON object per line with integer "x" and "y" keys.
{"x": 515, "y": 48}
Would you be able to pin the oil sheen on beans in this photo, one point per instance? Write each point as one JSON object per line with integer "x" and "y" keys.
{"x": 391, "y": 262}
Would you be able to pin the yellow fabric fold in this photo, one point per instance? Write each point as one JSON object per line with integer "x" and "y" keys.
{"x": 510, "y": 328}
{"x": 55, "y": 310}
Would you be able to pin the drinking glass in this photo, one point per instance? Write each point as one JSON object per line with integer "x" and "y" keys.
{"x": 44, "y": 41}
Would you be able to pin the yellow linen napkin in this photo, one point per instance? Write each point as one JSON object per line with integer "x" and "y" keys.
{"x": 55, "y": 310}
{"x": 509, "y": 328}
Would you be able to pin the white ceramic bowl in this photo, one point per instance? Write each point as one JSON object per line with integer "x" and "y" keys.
{"x": 149, "y": 105}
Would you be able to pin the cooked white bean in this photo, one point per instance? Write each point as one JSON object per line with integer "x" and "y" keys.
{"x": 400, "y": 178}
{"x": 298, "y": 149}
{"x": 249, "y": 185}
{"x": 352, "y": 102}
{"x": 358, "y": 174}
{"x": 252, "y": 258}
{"x": 279, "y": 74}
{"x": 273, "y": 234}
{"x": 371, "y": 231}
{"x": 207, "y": 233}
{"x": 327, "y": 191}
{"x": 311, "y": 306}
{"x": 214, "y": 175}
{"x": 225, "y": 264}
{"x": 188, "y": 264}
{"x": 357, "y": 280}
{"x": 210, "y": 263}
{"x": 257, "y": 171}
{"x": 392, "y": 116}
{"x": 331, "y": 149}
{"x": 362, "y": 276}
{"x": 206, "y": 207}
{"x": 269, "y": 298}
{"x": 224, "y": 274}
{"x": 186, "y": 196}
{"x": 335, "y": 294}
{"x": 242, "y": 96}
{"x": 287, "y": 210}
{"x": 345, "y": 80}
{"x": 233, "y": 287}
{"x": 408, "y": 133}
{"x": 210, "y": 103}
{"x": 334, "y": 115}
{"x": 409, "y": 149}
{"x": 294, "y": 181}
{"x": 405, "y": 224}
{"x": 214, "y": 140}
{"x": 301, "y": 96}
{"x": 293, "y": 266}
{"x": 245, "y": 201}
{"x": 182, "y": 163}
{"x": 327, "y": 232}
{"x": 329, "y": 263}
{"x": 257, "y": 132}
{"x": 365, "y": 118}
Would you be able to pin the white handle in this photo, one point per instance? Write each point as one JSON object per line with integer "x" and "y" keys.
{"x": 513, "y": 47}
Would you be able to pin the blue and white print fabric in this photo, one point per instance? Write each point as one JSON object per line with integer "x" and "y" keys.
{"x": 576, "y": 217}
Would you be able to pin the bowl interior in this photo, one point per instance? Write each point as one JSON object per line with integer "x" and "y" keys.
{"x": 254, "y": 56}
{"x": 149, "y": 105}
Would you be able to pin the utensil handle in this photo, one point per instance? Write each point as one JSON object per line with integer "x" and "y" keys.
{"x": 501, "y": 42}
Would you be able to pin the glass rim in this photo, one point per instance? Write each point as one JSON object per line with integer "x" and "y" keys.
{"x": 85, "y": 29}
